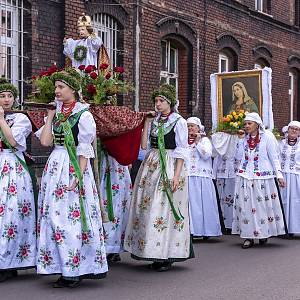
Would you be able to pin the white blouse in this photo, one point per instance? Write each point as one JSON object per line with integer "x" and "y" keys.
{"x": 261, "y": 162}
{"x": 181, "y": 135}
{"x": 92, "y": 44}
{"x": 86, "y": 128}
{"x": 21, "y": 128}
{"x": 200, "y": 163}
{"x": 224, "y": 167}
{"x": 290, "y": 157}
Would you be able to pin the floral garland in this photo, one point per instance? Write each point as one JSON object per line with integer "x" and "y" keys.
{"x": 80, "y": 53}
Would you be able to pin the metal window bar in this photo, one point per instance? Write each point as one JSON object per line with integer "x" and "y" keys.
{"x": 107, "y": 28}
{"x": 12, "y": 41}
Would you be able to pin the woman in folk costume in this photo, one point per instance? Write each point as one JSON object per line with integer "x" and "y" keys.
{"x": 290, "y": 164}
{"x": 158, "y": 228}
{"x": 116, "y": 192}
{"x": 257, "y": 210}
{"x": 70, "y": 239}
{"x": 204, "y": 214}
{"x": 17, "y": 211}
{"x": 224, "y": 169}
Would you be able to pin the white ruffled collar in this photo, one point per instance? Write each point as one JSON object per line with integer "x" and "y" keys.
{"x": 79, "y": 106}
{"x": 173, "y": 117}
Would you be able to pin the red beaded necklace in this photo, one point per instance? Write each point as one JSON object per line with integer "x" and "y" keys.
{"x": 66, "y": 109}
{"x": 253, "y": 141}
{"x": 164, "y": 118}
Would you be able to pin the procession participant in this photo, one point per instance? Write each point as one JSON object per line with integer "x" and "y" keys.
{"x": 158, "y": 228}
{"x": 17, "y": 210}
{"x": 290, "y": 164}
{"x": 203, "y": 208}
{"x": 257, "y": 210}
{"x": 85, "y": 50}
{"x": 116, "y": 192}
{"x": 70, "y": 235}
{"x": 224, "y": 171}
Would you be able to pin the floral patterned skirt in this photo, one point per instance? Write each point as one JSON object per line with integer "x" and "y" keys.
{"x": 63, "y": 246}
{"x": 17, "y": 214}
{"x": 225, "y": 188}
{"x": 152, "y": 232}
{"x": 114, "y": 231}
{"x": 257, "y": 211}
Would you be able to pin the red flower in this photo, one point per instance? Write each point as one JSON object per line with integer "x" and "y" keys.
{"x": 57, "y": 236}
{"x": 10, "y": 231}
{"x": 71, "y": 170}
{"x": 5, "y": 169}
{"x": 59, "y": 192}
{"x": 76, "y": 259}
{"x": 257, "y": 173}
{"x": 84, "y": 236}
{"x": 81, "y": 67}
{"x": 24, "y": 252}
{"x": 25, "y": 209}
{"x": 1, "y": 209}
{"x": 89, "y": 69}
{"x": 93, "y": 75}
{"x": 52, "y": 69}
{"x": 107, "y": 76}
{"x": 76, "y": 213}
{"x": 91, "y": 89}
{"x": 241, "y": 171}
{"x": 119, "y": 70}
{"x": 255, "y": 158}
{"x": 103, "y": 66}
{"x": 12, "y": 189}
{"x": 42, "y": 74}
{"x": 33, "y": 77}
{"x": 46, "y": 257}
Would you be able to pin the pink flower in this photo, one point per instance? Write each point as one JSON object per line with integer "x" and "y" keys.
{"x": 24, "y": 252}
{"x": 76, "y": 214}
{"x": 25, "y": 209}
{"x": 84, "y": 236}
{"x": 1, "y": 210}
{"x": 59, "y": 192}
{"x": 46, "y": 257}
{"x": 12, "y": 189}
{"x": 10, "y": 232}
{"x": 5, "y": 169}
{"x": 71, "y": 169}
{"x": 76, "y": 259}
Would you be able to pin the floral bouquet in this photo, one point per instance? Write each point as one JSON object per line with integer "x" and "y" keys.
{"x": 44, "y": 89}
{"x": 102, "y": 88}
{"x": 233, "y": 122}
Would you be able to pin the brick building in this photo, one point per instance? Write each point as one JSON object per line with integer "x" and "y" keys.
{"x": 180, "y": 42}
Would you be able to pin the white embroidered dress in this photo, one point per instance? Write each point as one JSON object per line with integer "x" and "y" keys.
{"x": 290, "y": 164}
{"x": 114, "y": 231}
{"x": 17, "y": 207}
{"x": 224, "y": 170}
{"x": 63, "y": 246}
{"x": 152, "y": 232}
{"x": 203, "y": 208}
{"x": 92, "y": 44}
{"x": 257, "y": 211}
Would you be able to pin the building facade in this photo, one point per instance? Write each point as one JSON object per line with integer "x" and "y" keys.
{"x": 178, "y": 42}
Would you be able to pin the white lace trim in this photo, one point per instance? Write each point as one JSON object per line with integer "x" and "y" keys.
{"x": 86, "y": 150}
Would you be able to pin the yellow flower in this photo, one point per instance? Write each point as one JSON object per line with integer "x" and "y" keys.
{"x": 233, "y": 113}
{"x": 236, "y": 117}
{"x": 239, "y": 123}
{"x": 241, "y": 115}
{"x": 230, "y": 117}
{"x": 231, "y": 123}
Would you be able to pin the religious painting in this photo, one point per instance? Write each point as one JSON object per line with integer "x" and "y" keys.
{"x": 238, "y": 91}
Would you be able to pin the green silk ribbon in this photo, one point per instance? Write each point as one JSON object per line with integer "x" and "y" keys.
{"x": 71, "y": 148}
{"x": 166, "y": 182}
{"x": 107, "y": 177}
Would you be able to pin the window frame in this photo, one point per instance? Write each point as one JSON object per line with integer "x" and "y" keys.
{"x": 223, "y": 57}
{"x": 166, "y": 74}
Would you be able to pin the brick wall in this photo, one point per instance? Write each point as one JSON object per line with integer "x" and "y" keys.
{"x": 197, "y": 26}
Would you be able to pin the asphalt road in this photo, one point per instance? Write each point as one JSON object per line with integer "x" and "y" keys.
{"x": 221, "y": 270}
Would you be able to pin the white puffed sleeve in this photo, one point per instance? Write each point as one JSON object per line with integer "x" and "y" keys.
{"x": 21, "y": 130}
{"x": 273, "y": 153}
{"x": 69, "y": 47}
{"x": 86, "y": 135}
{"x": 181, "y": 140}
{"x": 204, "y": 148}
{"x": 94, "y": 43}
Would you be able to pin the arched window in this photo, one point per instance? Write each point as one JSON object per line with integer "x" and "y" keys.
{"x": 107, "y": 28}
{"x": 261, "y": 63}
{"x": 169, "y": 64}
{"x": 227, "y": 60}
{"x": 11, "y": 42}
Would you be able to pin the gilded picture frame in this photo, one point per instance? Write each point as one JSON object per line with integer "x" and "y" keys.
{"x": 239, "y": 90}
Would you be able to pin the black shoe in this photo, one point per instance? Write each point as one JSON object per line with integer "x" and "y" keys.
{"x": 262, "y": 241}
{"x": 7, "y": 274}
{"x": 206, "y": 238}
{"x": 155, "y": 265}
{"x": 248, "y": 243}
{"x": 62, "y": 283}
{"x": 113, "y": 257}
{"x": 227, "y": 231}
{"x": 164, "y": 267}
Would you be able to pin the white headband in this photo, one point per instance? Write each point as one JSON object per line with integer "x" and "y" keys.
{"x": 254, "y": 117}
{"x": 196, "y": 121}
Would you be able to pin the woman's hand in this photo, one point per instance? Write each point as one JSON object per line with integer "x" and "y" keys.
{"x": 175, "y": 184}
{"x": 73, "y": 185}
{"x": 281, "y": 182}
{"x": 241, "y": 134}
{"x": 150, "y": 115}
{"x": 51, "y": 111}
